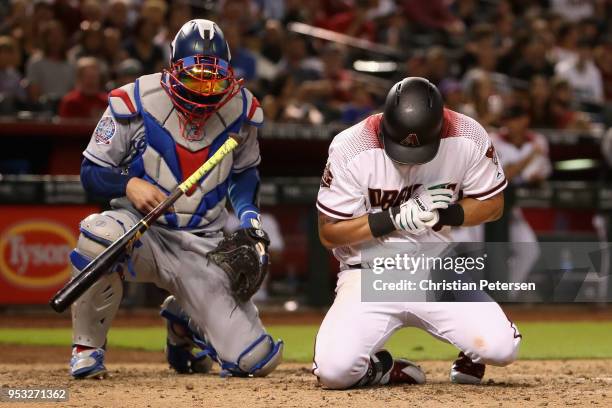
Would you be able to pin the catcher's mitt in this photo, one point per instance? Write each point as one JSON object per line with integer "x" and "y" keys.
{"x": 243, "y": 256}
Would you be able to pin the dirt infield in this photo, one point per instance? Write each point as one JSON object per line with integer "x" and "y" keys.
{"x": 141, "y": 379}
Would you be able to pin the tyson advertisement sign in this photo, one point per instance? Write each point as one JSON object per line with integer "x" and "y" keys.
{"x": 35, "y": 243}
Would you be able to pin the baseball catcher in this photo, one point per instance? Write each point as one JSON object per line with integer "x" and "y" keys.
{"x": 396, "y": 178}
{"x": 155, "y": 133}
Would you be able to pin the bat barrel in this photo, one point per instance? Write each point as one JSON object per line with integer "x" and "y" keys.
{"x": 75, "y": 288}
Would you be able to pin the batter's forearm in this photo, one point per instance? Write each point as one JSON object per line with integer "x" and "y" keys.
{"x": 335, "y": 233}
{"x": 478, "y": 212}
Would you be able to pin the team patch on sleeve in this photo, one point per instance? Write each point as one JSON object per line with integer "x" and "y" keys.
{"x": 492, "y": 154}
{"x": 327, "y": 178}
{"x": 106, "y": 129}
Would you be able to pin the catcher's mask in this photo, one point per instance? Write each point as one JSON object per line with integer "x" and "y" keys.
{"x": 198, "y": 86}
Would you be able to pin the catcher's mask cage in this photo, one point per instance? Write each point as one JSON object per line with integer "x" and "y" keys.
{"x": 198, "y": 87}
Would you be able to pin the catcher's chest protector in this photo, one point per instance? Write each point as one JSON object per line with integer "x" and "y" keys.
{"x": 170, "y": 158}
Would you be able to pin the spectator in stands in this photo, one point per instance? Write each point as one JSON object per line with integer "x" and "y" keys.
{"x": 603, "y": 60}
{"x": 433, "y": 15}
{"x": 154, "y": 11}
{"x": 118, "y": 16}
{"x": 524, "y": 155}
{"x": 243, "y": 61}
{"x": 177, "y": 15}
{"x": 359, "y": 107}
{"x": 355, "y": 21}
{"x": 567, "y": 43}
{"x": 269, "y": 53}
{"x": 483, "y": 56}
{"x": 91, "y": 10}
{"x": 452, "y": 92}
{"x": 437, "y": 64}
{"x": 127, "y": 71}
{"x": 242, "y": 14}
{"x": 87, "y": 100}
{"x": 91, "y": 42}
{"x": 505, "y": 34}
{"x": 272, "y": 41}
{"x": 49, "y": 74}
{"x": 336, "y": 82}
{"x": 293, "y": 70}
{"x": 24, "y": 25}
{"x": 414, "y": 65}
{"x": 12, "y": 93}
{"x": 561, "y": 107}
{"x": 572, "y": 10}
{"x": 396, "y": 32}
{"x": 141, "y": 46}
{"x": 533, "y": 61}
{"x": 582, "y": 74}
{"x": 484, "y": 103}
{"x": 112, "y": 51}
{"x": 540, "y": 113}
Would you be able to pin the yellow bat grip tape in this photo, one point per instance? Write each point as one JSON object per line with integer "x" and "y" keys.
{"x": 229, "y": 145}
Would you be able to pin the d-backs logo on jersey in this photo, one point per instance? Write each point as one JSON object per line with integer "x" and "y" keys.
{"x": 391, "y": 198}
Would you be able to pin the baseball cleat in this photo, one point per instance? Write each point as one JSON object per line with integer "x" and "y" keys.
{"x": 399, "y": 371}
{"x": 183, "y": 361}
{"x": 181, "y": 340}
{"x": 88, "y": 363}
{"x": 465, "y": 371}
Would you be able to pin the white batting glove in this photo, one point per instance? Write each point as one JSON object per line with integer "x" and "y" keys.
{"x": 433, "y": 198}
{"x": 409, "y": 217}
{"x": 420, "y": 212}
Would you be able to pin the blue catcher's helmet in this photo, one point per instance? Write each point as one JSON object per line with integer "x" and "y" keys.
{"x": 200, "y": 79}
{"x": 199, "y": 37}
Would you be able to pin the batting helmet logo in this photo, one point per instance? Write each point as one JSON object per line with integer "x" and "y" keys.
{"x": 411, "y": 140}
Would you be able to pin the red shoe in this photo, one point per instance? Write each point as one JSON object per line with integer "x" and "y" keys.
{"x": 465, "y": 371}
{"x": 401, "y": 371}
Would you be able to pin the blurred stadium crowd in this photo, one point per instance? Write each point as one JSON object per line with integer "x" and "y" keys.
{"x": 552, "y": 57}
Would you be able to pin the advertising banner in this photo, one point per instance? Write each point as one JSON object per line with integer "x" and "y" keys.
{"x": 35, "y": 242}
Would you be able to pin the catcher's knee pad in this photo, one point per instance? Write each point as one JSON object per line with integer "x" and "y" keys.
{"x": 182, "y": 338}
{"x": 258, "y": 359}
{"x": 94, "y": 310}
{"x": 98, "y": 231}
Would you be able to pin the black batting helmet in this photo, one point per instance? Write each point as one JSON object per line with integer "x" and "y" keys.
{"x": 412, "y": 121}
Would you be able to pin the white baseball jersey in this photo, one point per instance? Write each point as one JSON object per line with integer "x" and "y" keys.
{"x": 510, "y": 153}
{"x": 360, "y": 178}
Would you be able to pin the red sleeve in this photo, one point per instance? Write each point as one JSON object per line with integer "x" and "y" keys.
{"x": 69, "y": 107}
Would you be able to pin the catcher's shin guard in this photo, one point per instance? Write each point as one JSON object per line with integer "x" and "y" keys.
{"x": 258, "y": 359}
{"x": 182, "y": 338}
{"x": 94, "y": 311}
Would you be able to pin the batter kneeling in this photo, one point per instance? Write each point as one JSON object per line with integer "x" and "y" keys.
{"x": 407, "y": 175}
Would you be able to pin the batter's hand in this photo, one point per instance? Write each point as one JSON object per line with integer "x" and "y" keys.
{"x": 409, "y": 217}
{"x": 143, "y": 195}
{"x": 420, "y": 212}
{"x": 433, "y": 198}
